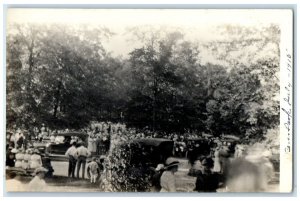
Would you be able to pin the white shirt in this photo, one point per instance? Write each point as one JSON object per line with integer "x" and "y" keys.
{"x": 72, "y": 151}
{"x": 82, "y": 151}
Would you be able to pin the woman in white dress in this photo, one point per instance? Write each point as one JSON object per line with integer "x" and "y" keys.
{"x": 217, "y": 165}
{"x": 167, "y": 179}
{"x": 35, "y": 159}
{"x": 26, "y": 161}
{"x": 19, "y": 158}
{"x": 92, "y": 143}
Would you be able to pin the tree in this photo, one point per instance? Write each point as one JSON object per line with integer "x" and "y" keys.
{"x": 160, "y": 70}
{"x": 63, "y": 72}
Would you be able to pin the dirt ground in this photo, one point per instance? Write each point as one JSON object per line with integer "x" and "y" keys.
{"x": 61, "y": 183}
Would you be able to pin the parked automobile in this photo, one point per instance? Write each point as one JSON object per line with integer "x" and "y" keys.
{"x": 151, "y": 151}
{"x": 56, "y": 150}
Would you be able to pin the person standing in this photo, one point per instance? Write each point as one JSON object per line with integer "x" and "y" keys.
{"x": 82, "y": 154}
{"x": 93, "y": 170}
{"x": 72, "y": 154}
{"x": 47, "y": 164}
{"x": 98, "y": 144}
{"x": 167, "y": 180}
{"x": 217, "y": 165}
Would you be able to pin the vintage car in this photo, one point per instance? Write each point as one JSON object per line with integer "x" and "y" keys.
{"x": 56, "y": 150}
{"x": 151, "y": 151}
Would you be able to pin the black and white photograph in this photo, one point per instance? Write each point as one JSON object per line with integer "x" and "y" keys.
{"x": 149, "y": 100}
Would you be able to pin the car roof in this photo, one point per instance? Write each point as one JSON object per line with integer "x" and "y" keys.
{"x": 152, "y": 141}
{"x": 73, "y": 133}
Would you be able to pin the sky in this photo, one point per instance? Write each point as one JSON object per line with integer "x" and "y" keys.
{"x": 198, "y": 25}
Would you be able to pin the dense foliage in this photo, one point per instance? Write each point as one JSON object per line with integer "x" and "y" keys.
{"x": 63, "y": 77}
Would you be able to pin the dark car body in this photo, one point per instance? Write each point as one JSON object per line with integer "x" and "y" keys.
{"x": 57, "y": 151}
{"x": 151, "y": 151}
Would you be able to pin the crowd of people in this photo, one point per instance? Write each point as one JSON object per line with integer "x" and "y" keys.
{"x": 108, "y": 165}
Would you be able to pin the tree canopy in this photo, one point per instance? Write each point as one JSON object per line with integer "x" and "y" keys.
{"x": 63, "y": 76}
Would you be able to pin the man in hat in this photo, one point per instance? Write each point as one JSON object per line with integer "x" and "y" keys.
{"x": 167, "y": 180}
{"x": 72, "y": 154}
{"x": 38, "y": 183}
{"x": 207, "y": 181}
{"x": 82, "y": 154}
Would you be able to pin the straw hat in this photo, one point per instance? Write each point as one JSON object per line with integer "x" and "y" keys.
{"x": 171, "y": 165}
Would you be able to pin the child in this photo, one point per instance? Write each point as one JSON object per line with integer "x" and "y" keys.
{"x": 93, "y": 169}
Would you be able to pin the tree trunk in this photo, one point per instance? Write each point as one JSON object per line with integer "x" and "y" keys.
{"x": 57, "y": 100}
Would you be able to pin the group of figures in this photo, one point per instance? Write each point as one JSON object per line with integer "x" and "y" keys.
{"x": 24, "y": 162}
{"x": 107, "y": 156}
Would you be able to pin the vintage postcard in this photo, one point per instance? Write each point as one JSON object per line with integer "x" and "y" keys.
{"x": 149, "y": 100}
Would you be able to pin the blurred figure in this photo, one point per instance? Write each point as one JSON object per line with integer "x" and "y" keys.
{"x": 13, "y": 183}
{"x": 239, "y": 151}
{"x": 255, "y": 168}
{"x": 196, "y": 168}
{"x": 12, "y": 140}
{"x": 167, "y": 180}
{"x": 20, "y": 141}
{"x": 99, "y": 145}
{"x": 207, "y": 181}
{"x": 224, "y": 156}
{"x": 38, "y": 183}
{"x": 44, "y": 131}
